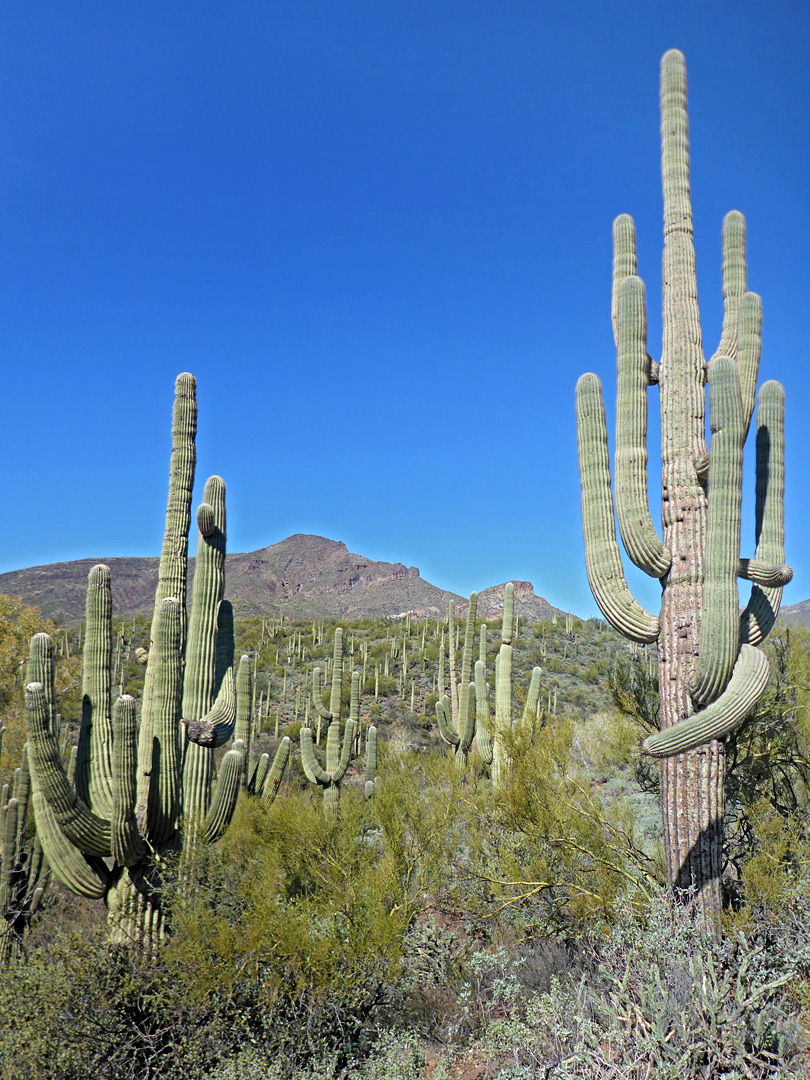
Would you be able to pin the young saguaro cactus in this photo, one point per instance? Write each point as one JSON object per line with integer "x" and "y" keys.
{"x": 140, "y": 791}
{"x": 710, "y": 671}
{"x": 338, "y": 754}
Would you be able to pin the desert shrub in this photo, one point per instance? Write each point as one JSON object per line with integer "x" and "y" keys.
{"x": 548, "y": 852}
{"x": 79, "y": 1009}
{"x": 656, "y": 1000}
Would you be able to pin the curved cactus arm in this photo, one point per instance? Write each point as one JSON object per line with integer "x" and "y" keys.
{"x": 317, "y": 694}
{"x": 346, "y": 754}
{"x": 763, "y": 574}
{"x": 532, "y": 697}
{"x": 720, "y": 612}
{"x": 602, "y": 559}
{"x": 760, "y": 613}
{"x": 89, "y": 832}
{"x": 162, "y": 786}
{"x": 83, "y": 876}
{"x": 312, "y": 767}
{"x": 127, "y": 843}
{"x": 443, "y": 719}
{"x": 217, "y": 726}
{"x": 226, "y": 793}
{"x": 746, "y": 686}
{"x": 639, "y": 537}
{"x": 483, "y": 738}
{"x": 269, "y": 788}
{"x": 94, "y": 767}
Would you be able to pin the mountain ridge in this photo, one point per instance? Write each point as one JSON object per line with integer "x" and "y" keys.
{"x": 303, "y": 576}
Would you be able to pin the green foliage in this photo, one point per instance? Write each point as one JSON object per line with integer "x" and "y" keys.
{"x": 80, "y": 1008}
{"x": 18, "y": 624}
{"x": 550, "y": 852}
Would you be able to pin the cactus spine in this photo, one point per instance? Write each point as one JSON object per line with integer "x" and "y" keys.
{"x": 141, "y": 790}
{"x": 710, "y": 672}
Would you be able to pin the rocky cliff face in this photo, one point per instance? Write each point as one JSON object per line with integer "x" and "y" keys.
{"x": 303, "y": 576}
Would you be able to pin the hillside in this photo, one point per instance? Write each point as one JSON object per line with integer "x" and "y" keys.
{"x": 303, "y": 576}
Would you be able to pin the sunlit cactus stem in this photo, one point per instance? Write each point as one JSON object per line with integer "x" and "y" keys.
{"x": 710, "y": 672}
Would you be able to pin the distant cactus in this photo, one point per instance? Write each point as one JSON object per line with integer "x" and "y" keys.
{"x": 338, "y": 754}
{"x": 491, "y": 737}
{"x": 141, "y": 790}
{"x": 710, "y": 672}
{"x": 370, "y": 779}
{"x": 454, "y": 714}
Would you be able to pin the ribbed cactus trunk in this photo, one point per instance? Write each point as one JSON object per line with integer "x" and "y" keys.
{"x": 693, "y": 783}
{"x": 710, "y": 672}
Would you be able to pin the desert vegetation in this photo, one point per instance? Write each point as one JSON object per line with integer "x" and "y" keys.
{"x": 433, "y": 848}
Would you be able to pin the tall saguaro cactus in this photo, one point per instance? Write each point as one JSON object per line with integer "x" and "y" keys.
{"x": 710, "y": 671}
{"x": 142, "y": 790}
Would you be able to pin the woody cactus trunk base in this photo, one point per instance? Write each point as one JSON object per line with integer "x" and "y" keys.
{"x": 710, "y": 672}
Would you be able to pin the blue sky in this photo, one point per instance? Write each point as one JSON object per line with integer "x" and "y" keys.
{"x": 379, "y": 234}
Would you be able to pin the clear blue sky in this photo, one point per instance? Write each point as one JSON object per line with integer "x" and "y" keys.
{"x": 379, "y": 235}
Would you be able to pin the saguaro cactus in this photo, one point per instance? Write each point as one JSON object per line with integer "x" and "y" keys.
{"x": 454, "y": 714}
{"x": 337, "y": 755}
{"x": 141, "y": 791}
{"x": 491, "y": 738}
{"x": 710, "y": 671}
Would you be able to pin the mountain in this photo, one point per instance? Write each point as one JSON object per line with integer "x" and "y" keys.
{"x": 303, "y": 576}
{"x": 796, "y": 614}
